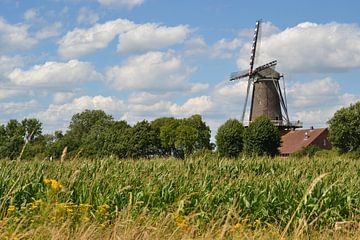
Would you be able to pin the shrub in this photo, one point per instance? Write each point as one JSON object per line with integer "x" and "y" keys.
{"x": 262, "y": 137}
{"x": 229, "y": 138}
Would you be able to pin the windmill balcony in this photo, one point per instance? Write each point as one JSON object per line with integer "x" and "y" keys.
{"x": 282, "y": 123}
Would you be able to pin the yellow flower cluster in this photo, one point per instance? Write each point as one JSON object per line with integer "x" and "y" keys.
{"x": 11, "y": 208}
{"x": 53, "y": 184}
{"x": 181, "y": 222}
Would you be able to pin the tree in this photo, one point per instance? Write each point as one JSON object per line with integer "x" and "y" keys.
{"x": 166, "y": 128}
{"x": 84, "y": 130}
{"x": 262, "y": 137}
{"x": 186, "y": 137}
{"x": 229, "y": 138}
{"x": 144, "y": 141}
{"x": 13, "y": 136}
{"x": 203, "y": 132}
{"x": 344, "y": 130}
{"x": 14, "y": 139}
{"x": 116, "y": 141}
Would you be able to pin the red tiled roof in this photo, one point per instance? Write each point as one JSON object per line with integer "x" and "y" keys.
{"x": 296, "y": 140}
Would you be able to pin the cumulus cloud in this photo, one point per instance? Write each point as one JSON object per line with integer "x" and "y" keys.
{"x": 196, "y": 46}
{"x": 121, "y": 3}
{"x": 87, "y": 16}
{"x": 315, "y": 102}
{"x": 84, "y": 41}
{"x": 231, "y": 92}
{"x": 16, "y": 107}
{"x": 30, "y": 14}
{"x": 7, "y": 65}
{"x": 225, "y": 48}
{"x": 310, "y": 47}
{"x": 60, "y": 114}
{"x": 153, "y": 71}
{"x": 10, "y": 92}
{"x": 62, "y": 97}
{"x": 52, "y": 30}
{"x": 55, "y": 74}
{"x": 151, "y": 36}
{"x": 14, "y": 37}
{"x": 314, "y": 93}
{"x": 146, "y": 98}
{"x": 197, "y": 105}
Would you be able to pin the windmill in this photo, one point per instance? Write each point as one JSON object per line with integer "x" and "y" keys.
{"x": 267, "y": 97}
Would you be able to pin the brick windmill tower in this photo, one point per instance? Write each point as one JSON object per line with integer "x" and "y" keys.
{"x": 267, "y": 96}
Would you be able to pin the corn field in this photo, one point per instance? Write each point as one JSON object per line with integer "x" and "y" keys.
{"x": 203, "y": 197}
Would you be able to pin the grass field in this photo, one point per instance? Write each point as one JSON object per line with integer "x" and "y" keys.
{"x": 202, "y": 198}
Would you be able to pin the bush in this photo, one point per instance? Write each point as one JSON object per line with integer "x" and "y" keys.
{"x": 262, "y": 137}
{"x": 308, "y": 151}
{"x": 229, "y": 138}
{"x": 344, "y": 130}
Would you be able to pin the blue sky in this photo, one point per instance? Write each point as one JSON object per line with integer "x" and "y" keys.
{"x": 143, "y": 59}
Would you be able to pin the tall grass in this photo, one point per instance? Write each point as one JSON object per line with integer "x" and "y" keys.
{"x": 202, "y": 197}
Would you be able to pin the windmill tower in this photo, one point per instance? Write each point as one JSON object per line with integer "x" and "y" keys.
{"x": 267, "y": 97}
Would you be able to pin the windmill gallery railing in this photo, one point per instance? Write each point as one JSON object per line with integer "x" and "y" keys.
{"x": 282, "y": 123}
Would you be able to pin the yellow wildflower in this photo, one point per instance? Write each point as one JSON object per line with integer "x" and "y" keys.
{"x": 11, "y": 208}
{"x": 55, "y": 185}
{"x": 238, "y": 226}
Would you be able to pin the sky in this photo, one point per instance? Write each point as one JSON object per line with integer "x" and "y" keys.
{"x": 144, "y": 59}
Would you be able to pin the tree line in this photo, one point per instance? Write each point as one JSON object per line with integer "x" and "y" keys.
{"x": 95, "y": 134}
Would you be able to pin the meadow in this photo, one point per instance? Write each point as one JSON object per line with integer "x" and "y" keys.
{"x": 203, "y": 197}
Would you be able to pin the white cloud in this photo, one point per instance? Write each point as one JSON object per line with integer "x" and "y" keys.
{"x": 55, "y": 74}
{"x": 14, "y": 37}
{"x": 62, "y": 97}
{"x": 10, "y": 92}
{"x": 225, "y": 48}
{"x": 315, "y": 93}
{"x": 16, "y": 107}
{"x": 52, "y": 30}
{"x": 84, "y": 41}
{"x": 87, "y": 16}
{"x": 30, "y": 14}
{"x": 60, "y": 114}
{"x": 151, "y": 36}
{"x": 197, "y": 105}
{"x": 121, "y": 3}
{"x": 153, "y": 71}
{"x": 199, "y": 87}
{"x": 231, "y": 92}
{"x": 310, "y": 47}
{"x": 146, "y": 98}
{"x": 7, "y": 65}
{"x": 196, "y": 46}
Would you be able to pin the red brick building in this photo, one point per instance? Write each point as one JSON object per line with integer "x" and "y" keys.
{"x": 296, "y": 140}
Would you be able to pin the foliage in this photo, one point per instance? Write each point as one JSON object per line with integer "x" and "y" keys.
{"x": 229, "y": 138}
{"x": 308, "y": 151}
{"x": 12, "y": 138}
{"x": 344, "y": 130}
{"x": 143, "y": 141}
{"x": 257, "y": 193}
{"x": 262, "y": 137}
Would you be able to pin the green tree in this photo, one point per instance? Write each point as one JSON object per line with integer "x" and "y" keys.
{"x": 203, "y": 132}
{"x": 262, "y": 137}
{"x": 166, "y": 129}
{"x": 117, "y": 139}
{"x": 84, "y": 131}
{"x": 144, "y": 140}
{"x": 229, "y": 138}
{"x": 344, "y": 130}
{"x": 186, "y": 137}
